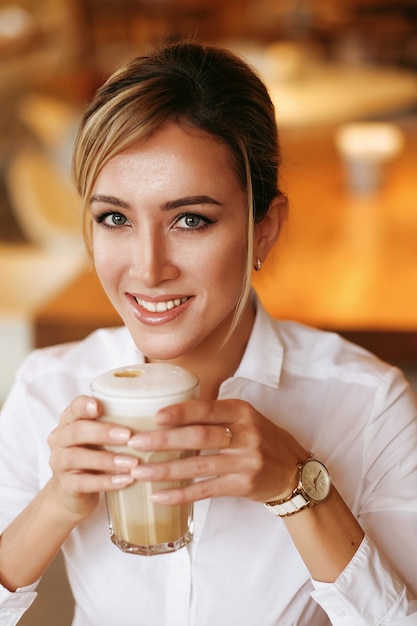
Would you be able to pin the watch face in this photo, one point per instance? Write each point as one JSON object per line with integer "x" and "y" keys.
{"x": 315, "y": 480}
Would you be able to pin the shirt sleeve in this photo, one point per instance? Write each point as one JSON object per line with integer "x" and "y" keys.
{"x": 19, "y": 482}
{"x": 14, "y": 605}
{"x": 379, "y": 585}
{"x": 381, "y": 600}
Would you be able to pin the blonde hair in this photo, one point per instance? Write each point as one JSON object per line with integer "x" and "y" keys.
{"x": 204, "y": 86}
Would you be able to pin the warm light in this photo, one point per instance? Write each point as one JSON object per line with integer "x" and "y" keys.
{"x": 369, "y": 140}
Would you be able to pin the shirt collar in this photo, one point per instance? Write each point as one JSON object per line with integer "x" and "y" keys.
{"x": 262, "y": 360}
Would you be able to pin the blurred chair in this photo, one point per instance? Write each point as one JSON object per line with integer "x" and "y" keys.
{"x": 53, "y": 122}
{"x": 44, "y": 200}
{"x": 47, "y": 209}
{"x": 29, "y": 277}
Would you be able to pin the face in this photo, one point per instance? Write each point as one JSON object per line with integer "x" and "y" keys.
{"x": 169, "y": 242}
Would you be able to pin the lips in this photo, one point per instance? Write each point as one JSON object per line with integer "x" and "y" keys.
{"x": 161, "y": 306}
{"x": 156, "y": 312}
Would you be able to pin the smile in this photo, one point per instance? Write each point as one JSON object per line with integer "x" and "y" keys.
{"x": 161, "y": 307}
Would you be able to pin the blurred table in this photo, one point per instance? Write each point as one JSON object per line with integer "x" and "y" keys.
{"x": 342, "y": 262}
{"x": 308, "y": 91}
{"x": 335, "y": 94}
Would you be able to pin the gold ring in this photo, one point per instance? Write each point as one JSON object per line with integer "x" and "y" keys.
{"x": 229, "y": 435}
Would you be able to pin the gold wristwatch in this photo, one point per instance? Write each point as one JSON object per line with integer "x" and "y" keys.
{"x": 314, "y": 486}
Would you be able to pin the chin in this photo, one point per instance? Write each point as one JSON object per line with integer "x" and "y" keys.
{"x": 160, "y": 350}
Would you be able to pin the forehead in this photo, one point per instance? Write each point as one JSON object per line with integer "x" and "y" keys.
{"x": 173, "y": 152}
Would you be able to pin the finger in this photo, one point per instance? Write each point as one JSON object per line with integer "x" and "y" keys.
{"x": 88, "y": 482}
{"x": 203, "y": 412}
{"x": 77, "y": 417}
{"x": 196, "y": 437}
{"x": 84, "y": 459}
{"x": 82, "y": 407}
{"x": 200, "y": 466}
{"x": 88, "y": 432}
{"x": 227, "y": 485}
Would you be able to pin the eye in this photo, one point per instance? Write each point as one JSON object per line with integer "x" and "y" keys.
{"x": 192, "y": 221}
{"x": 112, "y": 219}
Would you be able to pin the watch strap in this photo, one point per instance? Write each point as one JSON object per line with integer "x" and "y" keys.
{"x": 293, "y": 503}
{"x": 288, "y": 506}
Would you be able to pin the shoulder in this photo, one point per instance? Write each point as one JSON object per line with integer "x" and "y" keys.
{"x": 318, "y": 353}
{"x": 304, "y": 353}
{"x": 103, "y": 349}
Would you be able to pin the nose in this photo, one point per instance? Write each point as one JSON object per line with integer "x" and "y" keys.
{"x": 153, "y": 259}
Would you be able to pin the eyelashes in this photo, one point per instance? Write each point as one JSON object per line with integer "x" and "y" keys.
{"x": 192, "y": 222}
{"x": 186, "y": 222}
{"x": 118, "y": 219}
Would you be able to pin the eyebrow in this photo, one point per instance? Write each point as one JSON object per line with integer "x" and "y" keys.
{"x": 109, "y": 200}
{"x": 167, "y": 206}
{"x": 189, "y": 200}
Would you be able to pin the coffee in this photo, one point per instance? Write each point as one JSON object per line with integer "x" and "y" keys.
{"x": 130, "y": 397}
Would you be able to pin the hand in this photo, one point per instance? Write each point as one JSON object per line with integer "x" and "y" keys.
{"x": 259, "y": 462}
{"x": 81, "y": 468}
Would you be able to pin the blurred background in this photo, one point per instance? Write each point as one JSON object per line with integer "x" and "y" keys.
{"x": 343, "y": 77}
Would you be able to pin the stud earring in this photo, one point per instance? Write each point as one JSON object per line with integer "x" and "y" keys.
{"x": 258, "y": 265}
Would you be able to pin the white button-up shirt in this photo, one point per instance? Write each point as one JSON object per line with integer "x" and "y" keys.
{"x": 354, "y": 412}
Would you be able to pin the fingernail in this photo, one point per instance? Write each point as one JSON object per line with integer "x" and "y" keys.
{"x": 163, "y": 417}
{"x": 143, "y": 471}
{"x": 160, "y": 497}
{"x": 125, "y": 461}
{"x": 140, "y": 441}
{"x": 121, "y": 435}
{"x": 91, "y": 407}
{"x": 122, "y": 479}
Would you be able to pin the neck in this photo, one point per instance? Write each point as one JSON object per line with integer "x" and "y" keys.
{"x": 213, "y": 361}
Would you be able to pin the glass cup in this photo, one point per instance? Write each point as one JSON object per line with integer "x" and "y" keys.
{"x": 130, "y": 397}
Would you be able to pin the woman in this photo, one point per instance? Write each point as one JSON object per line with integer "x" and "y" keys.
{"x": 177, "y": 161}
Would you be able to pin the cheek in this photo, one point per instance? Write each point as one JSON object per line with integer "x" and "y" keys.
{"x": 100, "y": 254}
{"x": 227, "y": 265}
{"x": 107, "y": 261}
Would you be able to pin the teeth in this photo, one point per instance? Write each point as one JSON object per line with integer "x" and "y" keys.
{"x": 161, "y": 307}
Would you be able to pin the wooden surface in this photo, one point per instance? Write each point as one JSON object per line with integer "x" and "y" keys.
{"x": 336, "y": 93}
{"x": 343, "y": 262}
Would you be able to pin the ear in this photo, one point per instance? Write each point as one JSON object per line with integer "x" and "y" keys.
{"x": 267, "y": 230}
